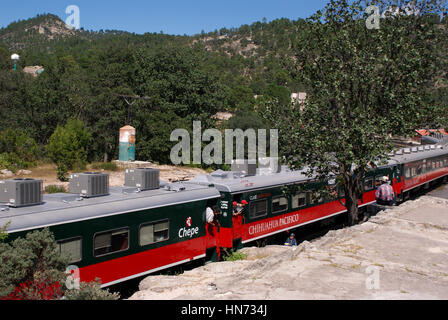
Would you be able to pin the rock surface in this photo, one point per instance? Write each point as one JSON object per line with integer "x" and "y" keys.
{"x": 401, "y": 253}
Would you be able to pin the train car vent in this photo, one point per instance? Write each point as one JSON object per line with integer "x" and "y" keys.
{"x": 142, "y": 178}
{"x": 414, "y": 149}
{"x": 407, "y": 150}
{"x": 21, "y": 192}
{"x": 245, "y": 166}
{"x": 421, "y": 149}
{"x": 433, "y": 147}
{"x": 89, "y": 184}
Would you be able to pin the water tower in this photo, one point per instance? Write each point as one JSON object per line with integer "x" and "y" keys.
{"x": 15, "y": 57}
{"x": 127, "y": 144}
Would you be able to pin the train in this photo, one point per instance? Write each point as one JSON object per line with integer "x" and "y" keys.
{"x": 129, "y": 232}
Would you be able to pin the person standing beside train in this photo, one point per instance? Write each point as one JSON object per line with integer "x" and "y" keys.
{"x": 384, "y": 194}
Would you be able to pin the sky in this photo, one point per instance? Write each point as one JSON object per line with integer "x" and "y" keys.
{"x": 169, "y": 16}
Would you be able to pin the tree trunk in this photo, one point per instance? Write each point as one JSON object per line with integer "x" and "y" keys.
{"x": 352, "y": 208}
{"x": 351, "y": 203}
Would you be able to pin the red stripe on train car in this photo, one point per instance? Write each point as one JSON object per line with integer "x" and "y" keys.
{"x": 424, "y": 178}
{"x": 134, "y": 265}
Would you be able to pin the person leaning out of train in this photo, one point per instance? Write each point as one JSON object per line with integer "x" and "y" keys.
{"x": 384, "y": 194}
{"x": 238, "y": 207}
{"x": 209, "y": 215}
{"x": 291, "y": 240}
{"x": 212, "y": 215}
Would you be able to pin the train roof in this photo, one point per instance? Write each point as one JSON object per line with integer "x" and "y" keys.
{"x": 62, "y": 208}
{"x": 408, "y": 155}
{"x": 235, "y": 182}
{"x": 231, "y": 181}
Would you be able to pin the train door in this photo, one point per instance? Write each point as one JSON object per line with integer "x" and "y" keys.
{"x": 238, "y": 210}
{"x": 219, "y": 230}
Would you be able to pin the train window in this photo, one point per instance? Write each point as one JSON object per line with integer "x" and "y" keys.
{"x": 299, "y": 200}
{"x": 413, "y": 171}
{"x": 111, "y": 241}
{"x": 407, "y": 173}
{"x": 368, "y": 184}
{"x": 279, "y": 204}
{"x": 154, "y": 232}
{"x": 71, "y": 248}
{"x": 258, "y": 208}
{"x": 419, "y": 169}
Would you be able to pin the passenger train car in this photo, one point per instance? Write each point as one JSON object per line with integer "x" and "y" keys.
{"x": 131, "y": 232}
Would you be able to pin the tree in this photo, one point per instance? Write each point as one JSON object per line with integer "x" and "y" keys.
{"x": 68, "y": 146}
{"x": 365, "y": 86}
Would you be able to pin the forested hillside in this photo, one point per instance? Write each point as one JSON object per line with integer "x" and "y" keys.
{"x": 186, "y": 78}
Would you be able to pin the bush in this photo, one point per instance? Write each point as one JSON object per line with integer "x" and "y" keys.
{"x": 33, "y": 269}
{"x": 18, "y": 150}
{"x": 90, "y": 291}
{"x": 55, "y": 189}
{"x": 234, "y": 256}
{"x": 68, "y": 147}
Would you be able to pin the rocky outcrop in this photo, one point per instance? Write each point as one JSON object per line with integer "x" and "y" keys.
{"x": 401, "y": 253}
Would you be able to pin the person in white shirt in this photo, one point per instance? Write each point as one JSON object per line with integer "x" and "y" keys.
{"x": 209, "y": 215}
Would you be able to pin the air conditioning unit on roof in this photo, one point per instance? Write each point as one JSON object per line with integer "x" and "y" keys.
{"x": 89, "y": 184}
{"x": 142, "y": 178}
{"x": 21, "y": 192}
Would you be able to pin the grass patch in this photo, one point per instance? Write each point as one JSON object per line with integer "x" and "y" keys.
{"x": 108, "y": 166}
{"x": 55, "y": 189}
{"x": 234, "y": 256}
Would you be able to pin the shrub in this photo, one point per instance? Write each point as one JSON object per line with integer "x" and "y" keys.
{"x": 234, "y": 256}
{"x": 33, "y": 269}
{"x": 90, "y": 291}
{"x": 68, "y": 147}
{"x": 18, "y": 150}
{"x": 55, "y": 189}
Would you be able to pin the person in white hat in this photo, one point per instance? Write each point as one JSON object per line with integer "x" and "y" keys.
{"x": 384, "y": 195}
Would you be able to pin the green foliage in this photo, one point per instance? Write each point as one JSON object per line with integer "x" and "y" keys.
{"x": 365, "y": 85}
{"x": 189, "y": 78}
{"x": 234, "y": 256}
{"x": 109, "y": 166}
{"x": 68, "y": 146}
{"x": 154, "y": 140}
{"x": 3, "y": 232}
{"x": 18, "y": 150}
{"x": 33, "y": 269}
{"x": 90, "y": 291}
{"x": 55, "y": 189}
{"x": 32, "y": 260}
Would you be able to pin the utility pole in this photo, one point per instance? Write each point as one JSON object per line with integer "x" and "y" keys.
{"x": 126, "y": 97}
